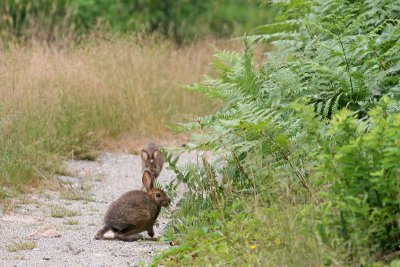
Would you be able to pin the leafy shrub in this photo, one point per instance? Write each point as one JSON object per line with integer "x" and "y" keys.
{"x": 363, "y": 171}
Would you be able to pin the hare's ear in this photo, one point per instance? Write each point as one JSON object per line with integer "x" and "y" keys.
{"x": 147, "y": 181}
{"x": 156, "y": 154}
{"x": 145, "y": 156}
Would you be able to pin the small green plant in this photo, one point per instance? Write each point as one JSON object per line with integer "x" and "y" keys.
{"x": 73, "y": 194}
{"x": 61, "y": 212}
{"x": 71, "y": 222}
{"x": 3, "y": 194}
{"x": 26, "y": 245}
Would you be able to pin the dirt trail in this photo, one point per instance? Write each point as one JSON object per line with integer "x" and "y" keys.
{"x": 76, "y": 213}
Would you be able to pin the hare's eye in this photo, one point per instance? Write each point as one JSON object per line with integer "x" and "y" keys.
{"x": 158, "y": 195}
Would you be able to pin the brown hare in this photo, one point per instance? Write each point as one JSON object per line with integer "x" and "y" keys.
{"x": 134, "y": 212}
{"x": 152, "y": 159}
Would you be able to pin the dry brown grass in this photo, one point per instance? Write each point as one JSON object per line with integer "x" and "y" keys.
{"x": 138, "y": 82}
{"x": 115, "y": 94}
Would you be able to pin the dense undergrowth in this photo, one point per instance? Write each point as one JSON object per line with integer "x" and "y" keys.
{"x": 307, "y": 145}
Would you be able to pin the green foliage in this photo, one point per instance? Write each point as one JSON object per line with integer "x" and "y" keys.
{"x": 216, "y": 224}
{"x": 363, "y": 172}
{"x": 337, "y": 53}
{"x": 243, "y": 233}
{"x": 261, "y": 137}
{"x": 315, "y": 127}
{"x": 182, "y": 20}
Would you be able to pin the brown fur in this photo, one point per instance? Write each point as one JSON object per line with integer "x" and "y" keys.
{"x": 152, "y": 159}
{"x": 134, "y": 212}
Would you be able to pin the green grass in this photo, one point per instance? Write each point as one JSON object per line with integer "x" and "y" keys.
{"x": 71, "y": 222}
{"x": 26, "y": 245}
{"x": 246, "y": 233}
{"x": 71, "y": 194}
{"x": 61, "y": 212}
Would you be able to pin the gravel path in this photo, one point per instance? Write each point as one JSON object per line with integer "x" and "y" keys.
{"x": 76, "y": 213}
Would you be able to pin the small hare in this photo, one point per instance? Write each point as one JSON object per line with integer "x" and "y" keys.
{"x": 152, "y": 159}
{"x": 134, "y": 212}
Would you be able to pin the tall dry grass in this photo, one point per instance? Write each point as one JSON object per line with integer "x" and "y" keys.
{"x": 63, "y": 102}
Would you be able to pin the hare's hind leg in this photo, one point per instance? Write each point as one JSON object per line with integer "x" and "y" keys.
{"x": 150, "y": 232}
{"x": 128, "y": 238}
{"x": 101, "y": 232}
{"x": 129, "y": 234}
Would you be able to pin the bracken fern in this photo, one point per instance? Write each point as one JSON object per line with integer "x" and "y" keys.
{"x": 279, "y": 143}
